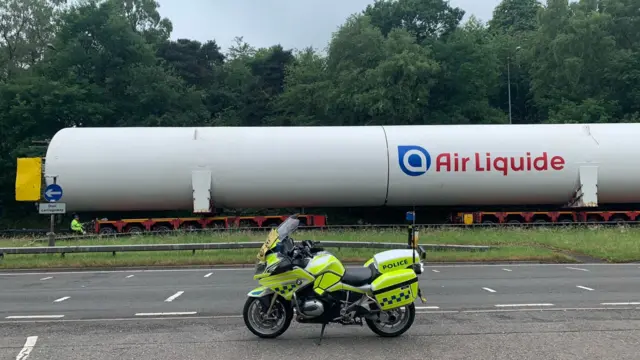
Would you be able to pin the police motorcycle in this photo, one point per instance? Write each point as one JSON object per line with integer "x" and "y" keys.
{"x": 312, "y": 283}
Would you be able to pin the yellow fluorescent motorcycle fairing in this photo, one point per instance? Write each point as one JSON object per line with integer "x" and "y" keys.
{"x": 314, "y": 283}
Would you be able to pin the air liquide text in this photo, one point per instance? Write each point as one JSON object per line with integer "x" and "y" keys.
{"x": 447, "y": 162}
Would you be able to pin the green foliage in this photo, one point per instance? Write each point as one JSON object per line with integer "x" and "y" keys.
{"x": 113, "y": 63}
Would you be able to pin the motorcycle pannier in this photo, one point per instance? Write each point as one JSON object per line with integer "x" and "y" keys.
{"x": 395, "y": 289}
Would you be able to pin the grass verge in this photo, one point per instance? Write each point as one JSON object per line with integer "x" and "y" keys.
{"x": 618, "y": 244}
{"x": 244, "y": 256}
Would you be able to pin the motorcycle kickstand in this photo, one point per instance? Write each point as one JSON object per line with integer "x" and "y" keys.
{"x": 321, "y": 334}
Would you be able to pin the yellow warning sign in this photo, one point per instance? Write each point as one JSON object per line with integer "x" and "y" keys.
{"x": 29, "y": 179}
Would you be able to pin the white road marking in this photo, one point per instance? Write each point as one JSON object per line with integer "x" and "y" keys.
{"x": 174, "y": 296}
{"x": 28, "y": 346}
{"x": 620, "y": 303}
{"x": 143, "y": 316}
{"x": 130, "y": 276}
{"x": 548, "y": 309}
{"x": 167, "y": 313}
{"x": 62, "y": 299}
{"x": 488, "y": 289}
{"x": 83, "y": 272}
{"x": 438, "y": 312}
{"x": 434, "y": 270}
{"x": 46, "y": 278}
{"x": 209, "y": 274}
{"x": 524, "y": 265}
{"x": 35, "y": 317}
{"x": 426, "y": 307}
{"x": 574, "y": 268}
{"x": 251, "y": 268}
{"x": 526, "y": 305}
{"x": 584, "y": 287}
{"x": 507, "y": 269}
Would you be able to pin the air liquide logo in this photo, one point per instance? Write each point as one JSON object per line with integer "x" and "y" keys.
{"x": 415, "y": 161}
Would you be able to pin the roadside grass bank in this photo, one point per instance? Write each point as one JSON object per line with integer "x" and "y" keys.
{"x": 611, "y": 244}
{"x": 248, "y": 256}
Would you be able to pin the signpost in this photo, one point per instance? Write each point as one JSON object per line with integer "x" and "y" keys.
{"x": 53, "y": 208}
{"x": 52, "y": 194}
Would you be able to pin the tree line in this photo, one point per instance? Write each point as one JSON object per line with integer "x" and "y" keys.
{"x": 113, "y": 63}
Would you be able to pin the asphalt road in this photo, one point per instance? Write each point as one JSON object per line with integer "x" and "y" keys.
{"x": 473, "y": 312}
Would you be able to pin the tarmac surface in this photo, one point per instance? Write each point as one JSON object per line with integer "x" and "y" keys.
{"x": 472, "y": 312}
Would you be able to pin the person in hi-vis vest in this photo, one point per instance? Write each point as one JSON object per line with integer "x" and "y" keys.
{"x": 76, "y": 226}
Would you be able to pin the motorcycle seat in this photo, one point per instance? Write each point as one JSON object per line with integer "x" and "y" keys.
{"x": 360, "y": 276}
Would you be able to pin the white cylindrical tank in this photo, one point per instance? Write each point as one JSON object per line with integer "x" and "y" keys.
{"x": 119, "y": 169}
{"x": 511, "y": 164}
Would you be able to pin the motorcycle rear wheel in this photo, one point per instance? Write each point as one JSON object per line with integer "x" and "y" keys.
{"x": 254, "y": 314}
{"x": 405, "y": 317}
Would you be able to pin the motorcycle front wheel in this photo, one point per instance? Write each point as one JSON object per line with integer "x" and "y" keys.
{"x": 265, "y": 325}
{"x": 394, "y": 322}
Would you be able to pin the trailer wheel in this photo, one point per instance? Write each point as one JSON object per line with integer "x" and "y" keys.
{"x": 618, "y": 220}
{"x": 189, "y": 227}
{"x": 107, "y": 230}
{"x": 135, "y": 230}
{"x": 488, "y": 223}
{"x": 161, "y": 229}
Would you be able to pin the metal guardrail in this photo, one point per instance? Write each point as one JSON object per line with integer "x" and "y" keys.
{"x": 221, "y": 246}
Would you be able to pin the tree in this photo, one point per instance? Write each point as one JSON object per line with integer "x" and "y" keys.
{"x": 378, "y": 80}
{"x": 194, "y": 62}
{"x": 571, "y": 47}
{"x": 515, "y": 16}
{"x": 469, "y": 78}
{"x": 424, "y": 19}
{"x": 26, "y": 27}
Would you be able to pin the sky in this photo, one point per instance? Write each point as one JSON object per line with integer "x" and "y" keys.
{"x": 263, "y": 23}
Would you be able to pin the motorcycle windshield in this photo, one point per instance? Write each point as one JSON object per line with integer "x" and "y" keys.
{"x": 285, "y": 229}
{"x": 288, "y": 227}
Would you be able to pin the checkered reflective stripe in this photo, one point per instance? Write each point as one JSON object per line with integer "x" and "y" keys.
{"x": 403, "y": 295}
{"x": 285, "y": 288}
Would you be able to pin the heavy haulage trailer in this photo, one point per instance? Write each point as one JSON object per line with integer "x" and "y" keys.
{"x": 530, "y": 173}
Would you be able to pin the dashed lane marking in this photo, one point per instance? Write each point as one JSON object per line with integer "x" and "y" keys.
{"x": 169, "y": 316}
{"x": 584, "y": 287}
{"x": 167, "y": 313}
{"x": 620, "y": 303}
{"x": 523, "y": 305}
{"x": 35, "y": 317}
{"x": 574, "y": 268}
{"x": 174, "y": 296}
